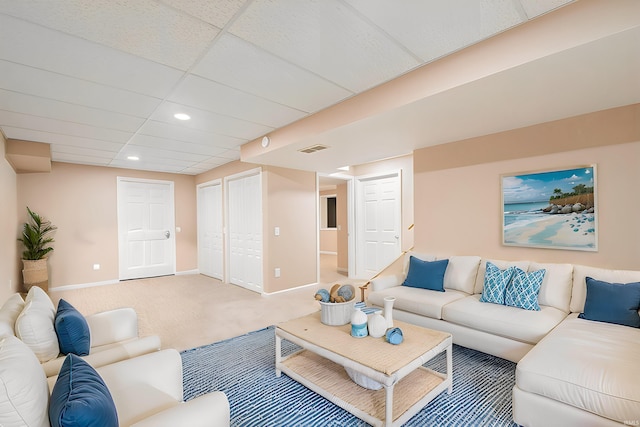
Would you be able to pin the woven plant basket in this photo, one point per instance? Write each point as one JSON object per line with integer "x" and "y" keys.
{"x": 35, "y": 272}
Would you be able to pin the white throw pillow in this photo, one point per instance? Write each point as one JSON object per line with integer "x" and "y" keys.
{"x": 9, "y": 313}
{"x": 35, "y": 325}
{"x": 461, "y": 273}
{"x": 24, "y": 394}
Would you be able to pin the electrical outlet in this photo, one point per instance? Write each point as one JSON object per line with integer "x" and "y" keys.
{"x": 96, "y": 266}
{"x": 277, "y": 272}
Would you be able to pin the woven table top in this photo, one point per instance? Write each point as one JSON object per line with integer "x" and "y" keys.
{"x": 375, "y": 353}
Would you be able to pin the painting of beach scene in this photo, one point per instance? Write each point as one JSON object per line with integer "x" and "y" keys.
{"x": 552, "y": 209}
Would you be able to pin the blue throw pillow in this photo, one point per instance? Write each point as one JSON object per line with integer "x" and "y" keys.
{"x": 72, "y": 330}
{"x": 495, "y": 283}
{"x": 612, "y": 302}
{"x": 80, "y": 397}
{"x": 523, "y": 290}
{"x": 426, "y": 274}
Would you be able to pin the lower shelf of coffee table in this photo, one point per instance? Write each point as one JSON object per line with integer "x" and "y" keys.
{"x": 332, "y": 382}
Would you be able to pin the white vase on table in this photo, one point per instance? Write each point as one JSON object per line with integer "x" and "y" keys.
{"x": 388, "y": 310}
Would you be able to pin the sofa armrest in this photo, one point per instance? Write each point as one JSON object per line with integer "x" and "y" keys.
{"x": 386, "y": 282}
{"x": 210, "y": 409}
{"x": 113, "y": 326}
{"x": 161, "y": 370}
{"x": 110, "y": 354}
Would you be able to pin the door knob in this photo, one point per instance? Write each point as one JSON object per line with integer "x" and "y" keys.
{"x": 167, "y": 234}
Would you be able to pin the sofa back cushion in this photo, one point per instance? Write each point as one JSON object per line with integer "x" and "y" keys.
{"x": 580, "y": 272}
{"x": 461, "y": 273}
{"x": 501, "y": 264}
{"x": 9, "y": 313}
{"x": 35, "y": 325}
{"x": 556, "y": 286}
{"x": 24, "y": 393}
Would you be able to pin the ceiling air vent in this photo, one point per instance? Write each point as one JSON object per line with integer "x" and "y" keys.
{"x": 313, "y": 149}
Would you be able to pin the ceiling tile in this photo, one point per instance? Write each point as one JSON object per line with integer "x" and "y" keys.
{"x": 325, "y": 37}
{"x": 20, "y": 78}
{"x": 42, "y": 107}
{"x": 79, "y": 159}
{"x": 216, "y": 12}
{"x": 52, "y": 50}
{"x": 144, "y": 27}
{"x": 156, "y": 154}
{"x": 54, "y": 138}
{"x": 209, "y": 122}
{"x": 211, "y": 96}
{"x": 84, "y": 151}
{"x": 174, "y": 145}
{"x": 535, "y": 8}
{"x": 17, "y": 120}
{"x": 178, "y": 133}
{"x": 154, "y": 166}
{"x": 433, "y": 29}
{"x": 241, "y": 65}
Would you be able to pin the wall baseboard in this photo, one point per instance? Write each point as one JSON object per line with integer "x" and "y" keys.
{"x": 111, "y": 282}
{"x": 328, "y": 253}
{"x": 290, "y": 289}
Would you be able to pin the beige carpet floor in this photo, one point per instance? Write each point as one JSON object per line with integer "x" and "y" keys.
{"x": 189, "y": 311}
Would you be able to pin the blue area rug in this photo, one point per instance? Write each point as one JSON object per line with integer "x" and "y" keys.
{"x": 244, "y": 368}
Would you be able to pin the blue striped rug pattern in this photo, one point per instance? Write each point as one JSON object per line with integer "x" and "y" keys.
{"x": 243, "y": 368}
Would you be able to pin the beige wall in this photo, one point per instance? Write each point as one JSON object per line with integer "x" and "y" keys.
{"x": 291, "y": 205}
{"x": 458, "y": 210}
{"x": 81, "y": 201}
{"x": 9, "y": 228}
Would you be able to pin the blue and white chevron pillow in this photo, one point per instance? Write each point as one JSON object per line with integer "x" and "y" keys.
{"x": 523, "y": 290}
{"x": 495, "y": 283}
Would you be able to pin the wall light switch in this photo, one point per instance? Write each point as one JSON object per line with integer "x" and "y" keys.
{"x": 276, "y": 231}
{"x": 178, "y": 229}
{"x": 277, "y": 272}
{"x": 96, "y": 266}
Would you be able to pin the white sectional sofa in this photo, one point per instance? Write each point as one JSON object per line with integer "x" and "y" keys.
{"x": 570, "y": 371}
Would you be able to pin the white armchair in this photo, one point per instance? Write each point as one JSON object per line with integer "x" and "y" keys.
{"x": 113, "y": 334}
{"x": 146, "y": 391}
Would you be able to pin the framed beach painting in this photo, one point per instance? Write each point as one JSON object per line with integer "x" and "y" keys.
{"x": 554, "y": 209}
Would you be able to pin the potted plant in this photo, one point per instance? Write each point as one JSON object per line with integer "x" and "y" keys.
{"x": 36, "y": 237}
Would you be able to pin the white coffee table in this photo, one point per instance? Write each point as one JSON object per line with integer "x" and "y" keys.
{"x": 326, "y": 350}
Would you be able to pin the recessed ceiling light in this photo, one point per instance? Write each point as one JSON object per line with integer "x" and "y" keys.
{"x": 133, "y": 158}
{"x": 265, "y": 141}
{"x": 182, "y": 116}
{"x": 344, "y": 168}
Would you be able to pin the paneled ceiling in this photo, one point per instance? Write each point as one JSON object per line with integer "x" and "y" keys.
{"x": 101, "y": 80}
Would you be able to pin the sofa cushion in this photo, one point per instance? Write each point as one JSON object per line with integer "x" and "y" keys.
{"x": 592, "y": 366}
{"x": 612, "y": 302}
{"x": 461, "y": 273}
{"x": 80, "y": 397}
{"x": 416, "y": 300}
{"x": 426, "y": 274}
{"x": 502, "y": 265}
{"x": 495, "y": 283}
{"x": 72, "y": 330}
{"x": 9, "y": 313}
{"x": 502, "y": 320}
{"x": 523, "y": 290}
{"x": 556, "y": 286}
{"x": 23, "y": 386}
{"x": 420, "y": 255}
{"x": 35, "y": 327}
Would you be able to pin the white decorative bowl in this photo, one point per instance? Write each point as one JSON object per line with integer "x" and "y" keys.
{"x": 336, "y": 313}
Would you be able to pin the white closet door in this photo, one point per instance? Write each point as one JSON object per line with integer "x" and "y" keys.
{"x": 379, "y": 202}
{"x": 210, "y": 240}
{"x": 244, "y": 226}
{"x": 146, "y": 240}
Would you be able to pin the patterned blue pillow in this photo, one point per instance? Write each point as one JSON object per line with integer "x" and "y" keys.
{"x": 495, "y": 283}
{"x": 524, "y": 288}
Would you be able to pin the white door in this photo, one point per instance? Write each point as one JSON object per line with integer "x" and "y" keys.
{"x": 244, "y": 230}
{"x": 378, "y": 223}
{"x": 146, "y": 243}
{"x": 210, "y": 242}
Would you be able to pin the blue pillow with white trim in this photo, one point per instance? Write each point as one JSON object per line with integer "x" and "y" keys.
{"x": 523, "y": 290}
{"x": 495, "y": 283}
